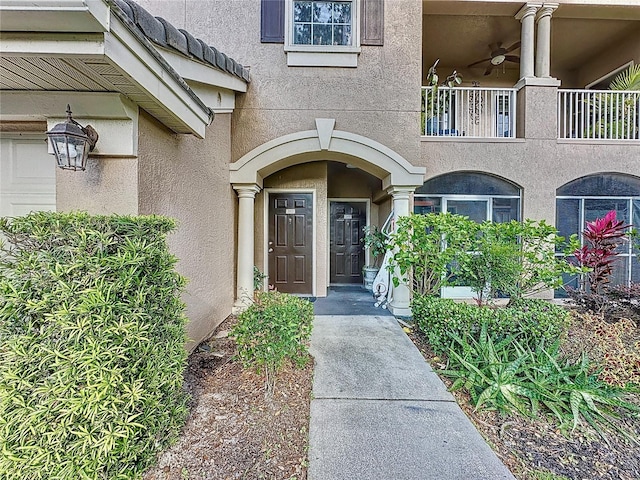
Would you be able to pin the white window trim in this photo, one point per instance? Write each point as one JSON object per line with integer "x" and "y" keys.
{"x": 322, "y": 55}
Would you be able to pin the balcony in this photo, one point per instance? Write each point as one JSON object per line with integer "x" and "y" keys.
{"x": 598, "y": 114}
{"x": 470, "y": 112}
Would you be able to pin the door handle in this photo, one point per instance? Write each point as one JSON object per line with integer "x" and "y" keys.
{"x": 270, "y": 250}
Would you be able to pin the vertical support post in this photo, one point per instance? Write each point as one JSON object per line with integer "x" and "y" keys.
{"x": 245, "y": 261}
{"x": 543, "y": 40}
{"x": 400, "y": 303}
{"x": 527, "y": 15}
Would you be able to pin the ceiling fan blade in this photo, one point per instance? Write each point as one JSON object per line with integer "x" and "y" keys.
{"x": 513, "y": 47}
{"x": 479, "y": 61}
{"x": 489, "y": 69}
{"x": 512, "y": 58}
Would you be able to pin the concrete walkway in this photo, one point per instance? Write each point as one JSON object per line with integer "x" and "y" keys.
{"x": 380, "y": 413}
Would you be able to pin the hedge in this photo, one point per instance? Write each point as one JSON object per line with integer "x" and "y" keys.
{"x": 91, "y": 345}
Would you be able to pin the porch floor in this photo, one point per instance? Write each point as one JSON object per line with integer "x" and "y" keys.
{"x": 348, "y": 300}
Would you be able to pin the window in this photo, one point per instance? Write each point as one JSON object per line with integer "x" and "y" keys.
{"x": 322, "y": 33}
{"x": 322, "y": 23}
{"x": 587, "y": 198}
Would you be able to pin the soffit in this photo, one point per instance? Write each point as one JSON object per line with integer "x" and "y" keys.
{"x": 459, "y": 33}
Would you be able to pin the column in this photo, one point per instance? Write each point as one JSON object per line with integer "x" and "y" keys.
{"x": 527, "y": 15}
{"x": 244, "y": 265}
{"x": 401, "y": 294}
{"x": 543, "y": 39}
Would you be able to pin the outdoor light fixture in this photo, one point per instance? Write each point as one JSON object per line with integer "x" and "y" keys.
{"x": 72, "y": 143}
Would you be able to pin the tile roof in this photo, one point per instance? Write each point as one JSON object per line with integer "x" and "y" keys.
{"x": 162, "y": 33}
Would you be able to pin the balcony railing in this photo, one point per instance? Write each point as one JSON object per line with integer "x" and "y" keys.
{"x": 599, "y": 114}
{"x": 469, "y": 112}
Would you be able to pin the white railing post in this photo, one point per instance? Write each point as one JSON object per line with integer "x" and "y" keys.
{"x": 469, "y": 112}
{"x": 598, "y": 114}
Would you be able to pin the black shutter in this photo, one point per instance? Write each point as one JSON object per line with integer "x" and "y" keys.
{"x": 272, "y": 21}
{"x": 372, "y": 24}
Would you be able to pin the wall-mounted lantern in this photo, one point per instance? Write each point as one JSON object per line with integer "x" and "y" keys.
{"x": 72, "y": 143}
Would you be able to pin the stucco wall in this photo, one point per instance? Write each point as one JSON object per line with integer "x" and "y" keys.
{"x": 379, "y": 99}
{"x": 188, "y": 179}
{"x": 108, "y": 185}
{"x": 538, "y": 166}
{"x": 625, "y": 50}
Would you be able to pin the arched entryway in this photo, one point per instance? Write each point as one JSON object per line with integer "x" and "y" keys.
{"x": 324, "y": 144}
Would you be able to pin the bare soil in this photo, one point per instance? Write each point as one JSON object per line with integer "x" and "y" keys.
{"x": 235, "y": 430}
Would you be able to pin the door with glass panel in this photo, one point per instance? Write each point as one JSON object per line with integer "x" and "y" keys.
{"x": 477, "y": 210}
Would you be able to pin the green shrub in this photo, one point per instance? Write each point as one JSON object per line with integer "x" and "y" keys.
{"x": 275, "y": 327}
{"x": 91, "y": 346}
{"x": 510, "y": 376}
{"x": 442, "y": 320}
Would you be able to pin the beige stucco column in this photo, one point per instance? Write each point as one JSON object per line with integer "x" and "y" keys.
{"x": 244, "y": 289}
{"x": 543, "y": 39}
{"x": 401, "y": 294}
{"x": 527, "y": 15}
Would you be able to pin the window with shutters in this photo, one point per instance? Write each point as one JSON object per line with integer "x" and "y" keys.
{"x": 322, "y": 33}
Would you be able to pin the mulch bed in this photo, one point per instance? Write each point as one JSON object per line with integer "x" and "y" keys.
{"x": 234, "y": 430}
{"x": 533, "y": 448}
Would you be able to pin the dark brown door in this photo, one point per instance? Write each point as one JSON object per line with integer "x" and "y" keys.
{"x": 291, "y": 242}
{"x": 346, "y": 249}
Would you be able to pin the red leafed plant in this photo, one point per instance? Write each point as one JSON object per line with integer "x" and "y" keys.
{"x": 602, "y": 237}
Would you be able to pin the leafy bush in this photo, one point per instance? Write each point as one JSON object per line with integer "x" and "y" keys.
{"x": 531, "y": 320}
{"x": 427, "y": 246}
{"x": 514, "y": 258}
{"x": 509, "y": 376}
{"x": 602, "y": 237}
{"x": 91, "y": 346}
{"x": 275, "y": 327}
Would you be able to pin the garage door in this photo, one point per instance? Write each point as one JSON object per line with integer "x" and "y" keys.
{"x": 27, "y": 175}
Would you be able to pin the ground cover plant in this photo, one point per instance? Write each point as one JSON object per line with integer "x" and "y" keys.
{"x": 91, "y": 346}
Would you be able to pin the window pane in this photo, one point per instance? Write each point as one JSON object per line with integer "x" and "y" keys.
{"x": 302, "y": 34}
{"x": 596, "y": 208}
{"x": 322, "y": 12}
{"x": 610, "y": 184}
{"x": 302, "y": 11}
{"x": 568, "y": 217}
{"x": 424, "y": 205}
{"x": 468, "y": 183}
{"x": 620, "y": 274}
{"x": 342, "y": 12}
{"x": 322, "y": 35}
{"x": 506, "y": 209}
{"x": 476, "y": 210}
{"x": 342, "y": 35}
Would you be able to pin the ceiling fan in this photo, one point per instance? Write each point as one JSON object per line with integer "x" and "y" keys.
{"x": 498, "y": 56}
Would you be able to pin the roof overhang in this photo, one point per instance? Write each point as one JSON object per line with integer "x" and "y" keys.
{"x": 91, "y": 45}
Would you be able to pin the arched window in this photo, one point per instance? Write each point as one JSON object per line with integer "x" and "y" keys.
{"x": 587, "y": 198}
{"x": 477, "y": 195}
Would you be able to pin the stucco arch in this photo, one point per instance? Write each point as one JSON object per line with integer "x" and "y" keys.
{"x": 325, "y": 143}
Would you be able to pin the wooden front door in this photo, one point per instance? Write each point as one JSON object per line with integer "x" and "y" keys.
{"x": 290, "y": 247}
{"x": 346, "y": 248}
